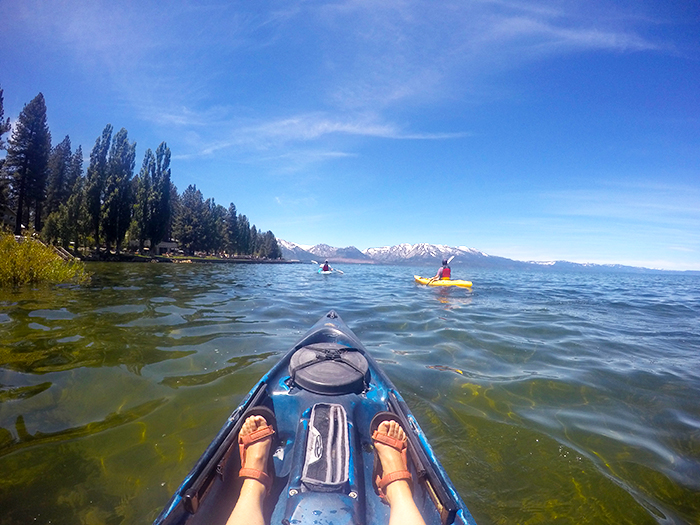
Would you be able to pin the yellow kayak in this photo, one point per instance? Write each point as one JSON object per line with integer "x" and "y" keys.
{"x": 442, "y": 282}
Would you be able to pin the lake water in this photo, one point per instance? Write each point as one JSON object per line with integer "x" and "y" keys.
{"x": 566, "y": 398}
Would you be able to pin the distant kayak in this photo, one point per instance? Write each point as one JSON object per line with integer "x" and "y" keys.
{"x": 442, "y": 282}
{"x": 326, "y": 272}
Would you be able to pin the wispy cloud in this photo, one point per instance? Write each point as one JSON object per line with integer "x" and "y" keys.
{"x": 418, "y": 51}
{"x": 292, "y": 133}
{"x": 643, "y": 201}
{"x": 359, "y": 67}
{"x": 536, "y": 37}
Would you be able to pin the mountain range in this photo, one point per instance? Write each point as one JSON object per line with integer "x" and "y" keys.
{"x": 424, "y": 254}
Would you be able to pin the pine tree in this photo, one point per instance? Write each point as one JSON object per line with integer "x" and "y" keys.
{"x": 244, "y": 241}
{"x": 27, "y": 160}
{"x": 118, "y": 196}
{"x": 76, "y": 170}
{"x": 254, "y": 242}
{"x": 77, "y": 220}
{"x": 95, "y": 182}
{"x": 174, "y": 210}
{"x": 214, "y": 228}
{"x": 4, "y": 128}
{"x": 231, "y": 235}
{"x": 270, "y": 248}
{"x": 161, "y": 208}
{"x": 142, "y": 208}
{"x": 77, "y": 224}
{"x": 153, "y": 209}
{"x": 189, "y": 224}
{"x": 59, "y": 183}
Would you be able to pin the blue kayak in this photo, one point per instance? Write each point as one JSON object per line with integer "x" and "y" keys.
{"x": 323, "y": 395}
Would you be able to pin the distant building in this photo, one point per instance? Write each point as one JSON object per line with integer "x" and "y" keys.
{"x": 9, "y": 218}
{"x": 161, "y": 248}
{"x": 165, "y": 247}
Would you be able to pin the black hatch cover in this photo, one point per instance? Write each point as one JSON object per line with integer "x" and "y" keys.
{"x": 330, "y": 369}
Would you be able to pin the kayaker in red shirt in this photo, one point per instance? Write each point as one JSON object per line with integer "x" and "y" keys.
{"x": 326, "y": 267}
{"x": 444, "y": 272}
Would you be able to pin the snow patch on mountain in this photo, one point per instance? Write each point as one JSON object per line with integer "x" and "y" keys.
{"x": 347, "y": 254}
{"x": 287, "y": 245}
{"x": 420, "y": 251}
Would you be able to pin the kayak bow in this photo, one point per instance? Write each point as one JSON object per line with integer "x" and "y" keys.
{"x": 324, "y": 393}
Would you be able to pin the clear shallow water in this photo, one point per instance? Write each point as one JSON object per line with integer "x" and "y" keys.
{"x": 550, "y": 398}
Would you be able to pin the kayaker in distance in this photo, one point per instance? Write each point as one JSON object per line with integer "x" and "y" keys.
{"x": 326, "y": 267}
{"x": 444, "y": 272}
{"x": 389, "y": 440}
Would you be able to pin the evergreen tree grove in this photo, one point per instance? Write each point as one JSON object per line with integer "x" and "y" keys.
{"x": 100, "y": 207}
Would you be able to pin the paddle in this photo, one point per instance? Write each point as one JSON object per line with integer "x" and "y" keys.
{"x": 448, "y": 262}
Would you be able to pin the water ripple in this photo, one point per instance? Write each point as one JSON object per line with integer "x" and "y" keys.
{"x": 549, "y": 397}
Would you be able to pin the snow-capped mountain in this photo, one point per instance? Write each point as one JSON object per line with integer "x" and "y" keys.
{"x": 323, "y": 251}
{"x": 292, "y": 251}
{"x": 424, "y": 254}
{"x": 419, "y": 253}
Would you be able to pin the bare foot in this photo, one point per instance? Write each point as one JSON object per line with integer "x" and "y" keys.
{"x": 392, "y": 460}
{"x": 256, "y": 454}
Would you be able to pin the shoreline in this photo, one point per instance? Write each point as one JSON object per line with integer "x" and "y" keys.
{"x": 181, "y": 259}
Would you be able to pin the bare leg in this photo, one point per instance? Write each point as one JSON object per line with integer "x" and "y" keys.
{"x": 398, "y": 494}
{"x": 249, "y": 507}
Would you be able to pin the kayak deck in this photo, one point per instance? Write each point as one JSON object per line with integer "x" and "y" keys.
{"x": 442, "y": 282}
{"x": 323, "y": 393}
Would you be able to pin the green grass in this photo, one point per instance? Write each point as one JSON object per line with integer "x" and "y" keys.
{"x": 31, "y": 262}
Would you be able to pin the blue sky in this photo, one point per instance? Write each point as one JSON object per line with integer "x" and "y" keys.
{"x": 535, "y": 130}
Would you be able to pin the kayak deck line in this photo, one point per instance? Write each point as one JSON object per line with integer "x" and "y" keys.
{"x": 323, "y": 393}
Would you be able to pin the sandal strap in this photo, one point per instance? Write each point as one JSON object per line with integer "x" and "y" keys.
{"x": 394, "y": 476}
{"x": 398, "y": 444}
{"x": 257, "y": 475}
{"x": 256, "y": 436}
